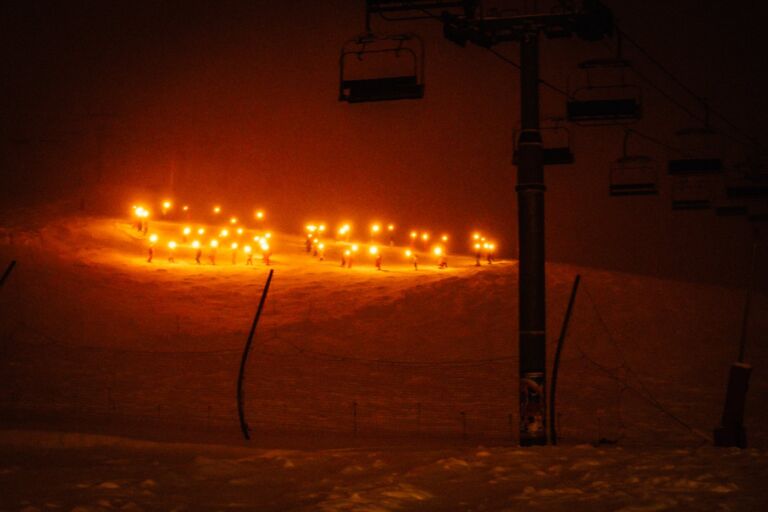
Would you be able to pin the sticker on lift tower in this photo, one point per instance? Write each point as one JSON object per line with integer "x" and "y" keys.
{"x": 532, "y": 408}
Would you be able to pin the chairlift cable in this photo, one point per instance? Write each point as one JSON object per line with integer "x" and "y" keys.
{"x": 744, "y": 137}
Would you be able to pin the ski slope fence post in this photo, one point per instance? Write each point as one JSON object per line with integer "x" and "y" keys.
{"x": 556, "y": 364}
{"x": 7, "y": 272}
{"x": 241, "y": 376}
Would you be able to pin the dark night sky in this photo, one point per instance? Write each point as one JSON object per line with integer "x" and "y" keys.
{"x": 236, "y": 102}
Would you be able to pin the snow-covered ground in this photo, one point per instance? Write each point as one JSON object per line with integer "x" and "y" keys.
{"x": 47, "y": 471}
{"x": 369, "y": 390}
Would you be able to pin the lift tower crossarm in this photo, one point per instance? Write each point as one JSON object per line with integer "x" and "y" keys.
{"x": 592, "y": 23}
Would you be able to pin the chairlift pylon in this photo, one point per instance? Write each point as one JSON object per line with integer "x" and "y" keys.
{"x": 633, "y": 175}
{"x": 401, "y": 84}
{"x": 556, "y": 140}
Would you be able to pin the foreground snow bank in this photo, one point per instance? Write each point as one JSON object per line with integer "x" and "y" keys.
{"x": 49, "y": 471}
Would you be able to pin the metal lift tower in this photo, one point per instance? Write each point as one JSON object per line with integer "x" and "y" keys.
{"x": 591, "y": 21}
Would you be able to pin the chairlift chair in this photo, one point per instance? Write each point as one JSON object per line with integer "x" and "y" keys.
{"x": 691, "y": 193}
{"x": 699, "y": 148}
{"x": 400, "y": 85}
{"x": 604, "y": 95}
{"x": 758, "y": 212}
{"x": 752, "y": 181}
{"x": 728, "y": 208}
{"x": 633, "y": 175}
{"x": 745, "y": 189}
{"x": 556, "y": 140}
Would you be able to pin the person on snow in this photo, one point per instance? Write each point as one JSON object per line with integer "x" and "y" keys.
{"x": 212, "y": 254}
{"x": 151, "y": 250}
{"x": 249, "y": 252}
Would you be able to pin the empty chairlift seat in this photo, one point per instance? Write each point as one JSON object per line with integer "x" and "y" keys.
{"x": 601, "y": 92}
{"x": 691, "y": 193}
{"x": 758, "y": 212}
{"x": 698, "y": 153}
{"x": 381, "y": 68}
{"x": 633, "y": 176}
{"x": 729, "y": 208}
{"x": 750, "y": 183}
